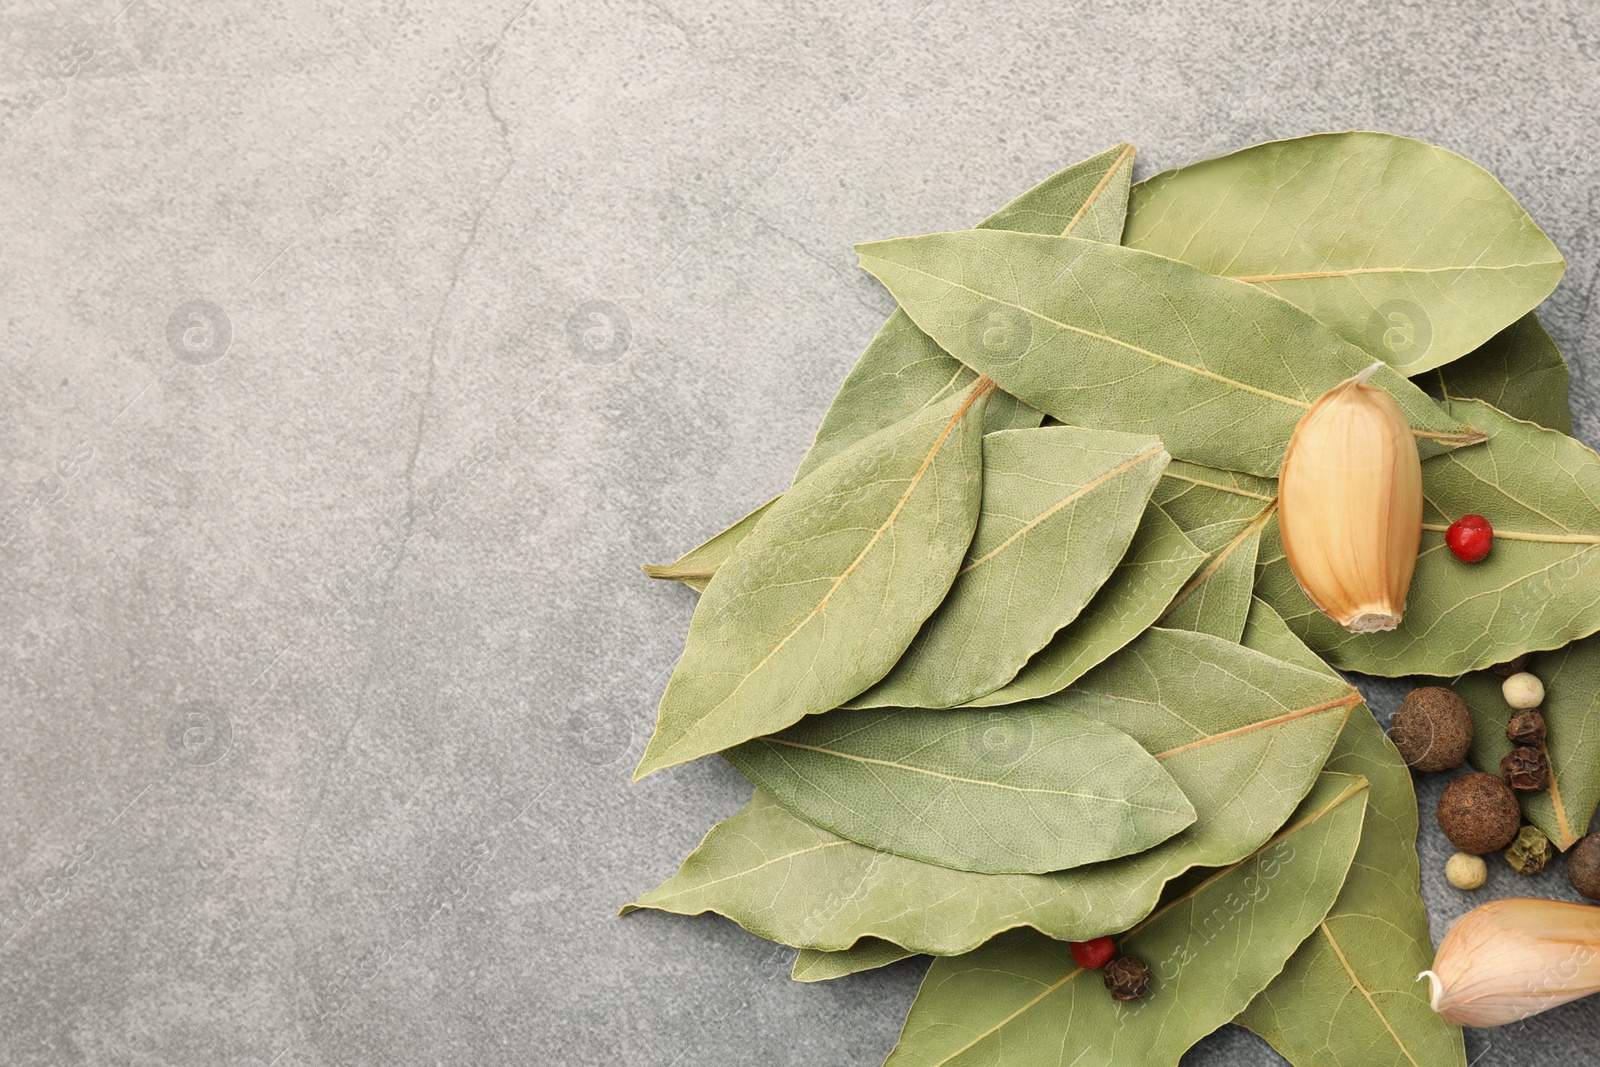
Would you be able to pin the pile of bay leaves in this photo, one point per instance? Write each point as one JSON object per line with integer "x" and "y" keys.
{"x": 1030, "y": 572}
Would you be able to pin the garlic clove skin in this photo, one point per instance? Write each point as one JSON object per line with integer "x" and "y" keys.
{"x": 1350, "y": 505}
{"x": 1508, "y": 959}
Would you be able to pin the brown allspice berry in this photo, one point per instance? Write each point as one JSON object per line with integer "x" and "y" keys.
{"x": 1432, "y": 729}
{"x": 1478, "y": 813}
{"x": 1526, "y": 769}
{"x": 1583, "y": 866}
{"x": 1511, "y": 666}
{"x": 1128, "y": 978}
{"x": 1526, "y": 728}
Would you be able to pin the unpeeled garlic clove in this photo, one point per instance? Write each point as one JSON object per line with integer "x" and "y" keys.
{"x": 1350, "y": 505}
{"x": 1509, "y": 959}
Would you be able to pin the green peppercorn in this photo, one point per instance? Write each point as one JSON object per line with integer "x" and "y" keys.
{"x": 1530, "y": 852}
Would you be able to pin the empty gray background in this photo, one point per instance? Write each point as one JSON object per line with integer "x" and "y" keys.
{"x": 326, "y": 652}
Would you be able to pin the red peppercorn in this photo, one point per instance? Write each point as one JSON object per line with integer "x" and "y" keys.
{"x": 1470, "y": 537}
{"x": 1092, "y": 955}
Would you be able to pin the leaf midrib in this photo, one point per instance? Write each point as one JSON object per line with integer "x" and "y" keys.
{"x": 1257, "y": 279}
{"x": 896, "y": 765}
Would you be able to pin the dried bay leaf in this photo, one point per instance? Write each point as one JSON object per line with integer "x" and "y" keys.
{"x": 1348, "y": 997}
{"x": 1571, "y": 710}
{"x": 1114, "y": 338}
{"x": 1024, "y": 792}
{"x": 696, "y": 567}
{"x": 1060, "y": 507}
{"x": 1404, "y": 249}
{"x": 1538, "y": 589}
{"x": 830, "y": 587}
{"x": 1519, "y": 370}
{"x": 1158, "y": 562}
{"x": 868, "y": 954}
{"x": 1244, "y": 735}
{"x": 903, "y": 370}
{"x": 1217, "y": 600}
{"x": 1021, "y": 999}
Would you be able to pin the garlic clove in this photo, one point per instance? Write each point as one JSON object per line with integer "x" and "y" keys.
{"x": 1350, "y": 505}
{"x": 1508, "y": 959}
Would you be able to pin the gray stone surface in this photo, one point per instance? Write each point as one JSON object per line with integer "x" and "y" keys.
{"x": 326, "y": 655}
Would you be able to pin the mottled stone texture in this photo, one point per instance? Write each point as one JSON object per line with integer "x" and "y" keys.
{"x": 356, "y": 354}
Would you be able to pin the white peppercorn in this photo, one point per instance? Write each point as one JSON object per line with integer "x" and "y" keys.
{"x": 1523, "y": 691}
{"x": 1466, "y": 871}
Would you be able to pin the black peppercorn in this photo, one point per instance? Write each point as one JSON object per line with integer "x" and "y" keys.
{"x": 1526, "y": 768}
{"x": 1525, "y": 728}
{"x": 1128, "y": 978}
{"x": 1511, "y": 666}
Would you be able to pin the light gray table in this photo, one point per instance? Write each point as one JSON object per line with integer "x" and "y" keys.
{"x": 326, "y": 653}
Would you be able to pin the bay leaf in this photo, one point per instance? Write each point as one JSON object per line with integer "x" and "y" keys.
{"x": 1519, "y": 371}
{"x": 1571, "y": 711}
{"x": 830, "y": 587}
{"x": 1402, "y": 248}
{"x": 1158, "y": 562}
{"x": 1217, "y": 600}
{"x": 867, "y": 955}
{"x": 1022, "y": 1000}
{"x": 1060, "y": 507}
{"x": 1348, "y": 997}
{"x": 1244, "y": 735}
{"x": 903, "y": 370}
{"x": 1118, "y": 339}
{"x": 1538, "y": 589}
{"x": 1022, "y": 791}
{"x": 1213, "y": 507}
{"x": 696, "y": 567}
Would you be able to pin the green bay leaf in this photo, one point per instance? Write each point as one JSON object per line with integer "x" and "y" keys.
{"x": 1158, "y": 561}
{"x": 1244, "y": 735}
{"x": 1060, "y": 507}
{"x": 1348, "y": 997}
{"x": 1022, "y": 1000}
{"x": 868, "y": 954}
{"x": 1538, "y": 589}
{"x": 830, "y": 587}
{"x": 1114, "y": 338}
{"x": 1519, "y": 371}
{"x": 1217, "y": 600}
{"x": 903, "y": 370}
{"x": 1571, "y": 711}
{"x": 1022, "y": 792}
{"x": 1405, "y": 249}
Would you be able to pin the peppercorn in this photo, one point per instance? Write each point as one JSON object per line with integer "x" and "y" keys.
{"x": 1466, "y": 871}
{"x": 1511, "y": 666}
{"x": 1128, "y": 978}
{"x": 1530, "y": 851}
{"x": 1470, "y": 537}
{"x": 1583, "y": 866}
{"x": 1523, "y": 691}
{"x": 1526, "y": 728}
{"x": 1094, "y": 954}
{"x": 1478, "y": 813}
{"x": 1432, "y": 729}
{"x": 1526, "y": 769}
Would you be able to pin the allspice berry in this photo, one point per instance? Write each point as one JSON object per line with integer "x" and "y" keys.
{"x": 1526, "y": 769}
{"x": 1466, "y": 871}
{"x": 1478, "y": 813}
{"x": 1432, "y": 729}
{"x": 1526, "y": 728}
{"x": 1583, "y": 866}
{"x": 1128, "y": 978}
{"x": 1530, "y": 851}
{"x": 1511, "y": 666}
